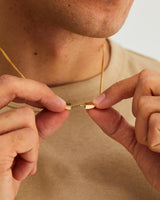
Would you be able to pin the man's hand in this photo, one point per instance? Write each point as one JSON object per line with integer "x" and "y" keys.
{"x": 143, "y": 140}
{"x": 21, "y": 131}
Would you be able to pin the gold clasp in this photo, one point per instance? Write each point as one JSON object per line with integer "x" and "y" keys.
{"x": 86, "y": 106}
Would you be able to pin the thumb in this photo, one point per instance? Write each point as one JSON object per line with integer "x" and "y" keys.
{"x": 123, "y": 89}
{"x": 115, "y": 126}
{"x": 48, "y": 122}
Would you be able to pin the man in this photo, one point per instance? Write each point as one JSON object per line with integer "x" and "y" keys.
{"x": 57, "y": 45}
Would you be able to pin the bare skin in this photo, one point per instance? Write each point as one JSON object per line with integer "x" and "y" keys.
{"x": 21, "y": 131}
{"x": 61, "y": 49}
{"x": 51, "y": 42}
{"x": 143, "y": 140}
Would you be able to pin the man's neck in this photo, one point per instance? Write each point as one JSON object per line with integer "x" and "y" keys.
{"x": 51, "y": 55}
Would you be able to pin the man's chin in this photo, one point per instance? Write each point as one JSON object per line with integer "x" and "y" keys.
{"x": 103, "y": 32}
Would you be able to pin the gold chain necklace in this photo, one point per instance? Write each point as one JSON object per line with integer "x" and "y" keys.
{"x": 68, "y": 106}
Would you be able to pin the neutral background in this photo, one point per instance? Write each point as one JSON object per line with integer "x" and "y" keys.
{"x": 141, "y": 31}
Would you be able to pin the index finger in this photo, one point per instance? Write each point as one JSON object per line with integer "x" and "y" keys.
{"x": 121, "y": 90}
{"x": 29, "y": 91}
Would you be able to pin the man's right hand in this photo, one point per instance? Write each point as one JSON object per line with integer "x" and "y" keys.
{"x": 21, "y": 131}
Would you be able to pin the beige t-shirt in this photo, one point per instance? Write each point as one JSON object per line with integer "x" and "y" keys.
{"x": 79, "y": 161}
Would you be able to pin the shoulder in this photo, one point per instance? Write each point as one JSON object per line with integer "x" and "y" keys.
{"x": 130, "y": 62}
{"x": 144, "y": 62}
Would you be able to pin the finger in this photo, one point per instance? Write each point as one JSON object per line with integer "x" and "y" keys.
{"x": 118, "y": 91}
{"x": 115, "y": 126}
{"x": 16, "y": 119}
{"x": 48, "y": 122}
{"x": 22, "y": 168}
{"x": 23, "y": 142}
{"x": 34, "y": 169}
{"x": 148, "y": 85}
{"x": 147, "y": 79}
{"x": 30, "y": 91}
{"x": 147, "y": 105}
{"x": 154, "y": 132}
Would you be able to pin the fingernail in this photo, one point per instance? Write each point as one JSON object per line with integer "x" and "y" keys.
{"x": 99, "y": 99}
{"x": 61, "y": 100}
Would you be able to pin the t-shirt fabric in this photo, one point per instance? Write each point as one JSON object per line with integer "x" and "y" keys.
{"x": 79, "y": 161}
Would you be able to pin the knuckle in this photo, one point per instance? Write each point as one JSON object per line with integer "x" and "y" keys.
{"x": 25, "y": 139}
{"x": 154, "y": 121}
{"x": 145, "y": 77}
{"x": 26, "y": 110}
{"x": 27, "y": 113}
{"x": 143, "y": 106}
{"x": 5, "y": 78}
{"x": 145, "y": 73}
{"x": 42, "y": 85}
{"x": 45, "y": 88}
{"x": 26, "y": 135}
{"x": 8, "y": 81}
